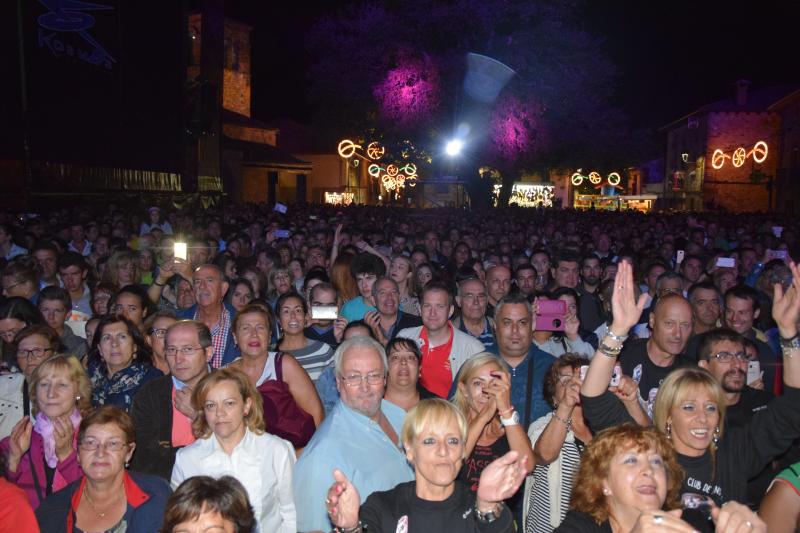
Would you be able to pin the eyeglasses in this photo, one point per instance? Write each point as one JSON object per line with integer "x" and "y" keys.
{"x": 726, "y": 357}
{"x": 91, "y": 445}
{"x": 158, "y": 333}
{"x": 172, "y": 351}
{"x": 356, "y": 380}
{"x": 35, "y": 353}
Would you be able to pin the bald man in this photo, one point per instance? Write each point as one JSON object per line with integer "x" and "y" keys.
{"x": 648, "y": 361}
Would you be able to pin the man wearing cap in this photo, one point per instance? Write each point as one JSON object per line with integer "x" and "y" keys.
{"x": 154, "y": 213}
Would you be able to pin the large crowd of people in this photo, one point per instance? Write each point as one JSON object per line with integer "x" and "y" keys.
{"x": 260, "y": 368}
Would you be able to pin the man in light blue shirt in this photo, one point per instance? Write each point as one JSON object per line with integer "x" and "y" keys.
{"x": 360, "y": 437}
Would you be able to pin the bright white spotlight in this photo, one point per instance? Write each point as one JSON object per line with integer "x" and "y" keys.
{"x": 453, "y": 148}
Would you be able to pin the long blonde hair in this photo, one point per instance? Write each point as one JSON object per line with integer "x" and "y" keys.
{"x": 675, "y": 389}
{"x": 467, "y": 372}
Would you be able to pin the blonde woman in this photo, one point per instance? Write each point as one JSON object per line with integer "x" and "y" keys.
{"x": 484, "y": 397}
{"x": 231, "y": 442}
{"x": 690, "y": 405}
{"x": 122, "y": 269}
{"x": 40, "y": 452}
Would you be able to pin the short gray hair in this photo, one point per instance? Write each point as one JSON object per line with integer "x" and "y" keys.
{"x": 362, "y": 342}
{"x": 470, "y": 280}
{"x": 384, "y": 278}
{"x": 512, "y": 299}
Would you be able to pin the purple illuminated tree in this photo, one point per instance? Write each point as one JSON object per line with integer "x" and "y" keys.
{"x": 409, "y": 94}
{"x": 397, "y": 67}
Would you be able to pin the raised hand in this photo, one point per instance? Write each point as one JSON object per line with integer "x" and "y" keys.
{"x": 338, "y": 328}
{"x": 343, "y": 502}
{"x": 337, "y": 234}
{"x": 627, "y": 390}
{"x": 571, "y": 326}
{"x": 500, "y": 389}
{"x": 625, "y": 308}
{"x": 489, "y": 410}
{"x": 786, "y": 305}
{"x": 501, "y": 479}
{"x": 63, "y": 432}
{"x": 19, "y": 442}
{"x": 571, "y": 393}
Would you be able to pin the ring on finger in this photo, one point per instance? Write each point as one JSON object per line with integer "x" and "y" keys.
{"x": 749, "y": 524}
{"x": 658, "y": 519}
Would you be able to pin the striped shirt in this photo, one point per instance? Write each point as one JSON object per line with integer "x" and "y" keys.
{"x": 314, "y": 357}
{"x": 538, "y": 519}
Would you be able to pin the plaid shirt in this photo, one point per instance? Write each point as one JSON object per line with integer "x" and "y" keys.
{"x": 219, "y": 337}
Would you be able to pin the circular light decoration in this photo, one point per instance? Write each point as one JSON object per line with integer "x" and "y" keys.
{"x": 738, "y": 157}
{"x": 595, "y": 178}
{"x": 392, "y": 170}
{"x": 410, "y": 169}
{"x": 760, "y": 151}
{"x": 577, "y": 179}
{"x": 375, "y": 150}
{"x": 718, "y": 159}
{"x": 374, "y": 170}
{"x": 347, "y": 148}
{"x": 614, "y": 178}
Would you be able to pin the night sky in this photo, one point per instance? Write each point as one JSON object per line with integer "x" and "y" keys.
{"x": 672, "y": 56}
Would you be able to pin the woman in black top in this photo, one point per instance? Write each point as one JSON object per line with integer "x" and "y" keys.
{"x": 690, "y": 407}
{"x": 433, "y": 434}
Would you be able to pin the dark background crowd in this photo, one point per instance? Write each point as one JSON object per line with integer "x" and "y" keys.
{"x": 239, "y": 355}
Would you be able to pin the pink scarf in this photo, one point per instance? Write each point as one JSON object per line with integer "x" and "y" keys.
{"x": 44, "y": 427}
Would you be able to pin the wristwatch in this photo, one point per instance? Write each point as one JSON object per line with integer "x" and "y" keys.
{"x": 489, "y": 516}
{"x": 512, "y": 420}
{"x": 788, "y": 345}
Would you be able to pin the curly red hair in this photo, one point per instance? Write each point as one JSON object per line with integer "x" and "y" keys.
{"x": 587, "y": 495}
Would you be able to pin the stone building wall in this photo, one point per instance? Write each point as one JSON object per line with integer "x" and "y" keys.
{"x": 743, "y": 188}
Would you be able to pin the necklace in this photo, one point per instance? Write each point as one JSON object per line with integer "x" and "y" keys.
{"x": 94, "y": 508}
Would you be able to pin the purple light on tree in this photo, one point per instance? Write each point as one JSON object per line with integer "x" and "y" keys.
{"x": 515, "y": 129}
{"x": 409, "y": 93}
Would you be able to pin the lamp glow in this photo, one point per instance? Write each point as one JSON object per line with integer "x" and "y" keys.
{"x": 453, "y": 148}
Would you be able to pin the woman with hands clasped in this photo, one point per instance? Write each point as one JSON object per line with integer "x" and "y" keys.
{"x": 690, "y": 406}
{"x": 484, "y": 397}
{"x": 41, "y": 452}
{"x": 434, "y": 434}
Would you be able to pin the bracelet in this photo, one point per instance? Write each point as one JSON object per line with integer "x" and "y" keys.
{"x": 789, "y": 345}
{"x": 358, "y": 528}
{"x": 567, "y": 422}
{"x": 505, "y": 412}
{"x": 489, "y": 516}
{"x": 157, "y": 284}
{"x": 619, "y": 338}
{"x": 608, "y": 351}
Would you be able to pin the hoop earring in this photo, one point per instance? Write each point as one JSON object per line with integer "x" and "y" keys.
{"x": 716, "y": 436}
{"x": 668, "y": 431}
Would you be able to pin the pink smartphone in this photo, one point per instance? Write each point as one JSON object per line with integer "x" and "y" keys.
{"x": 552, "y": 315}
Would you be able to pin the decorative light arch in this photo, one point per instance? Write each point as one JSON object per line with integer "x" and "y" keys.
{"x": 759, "y": 154}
